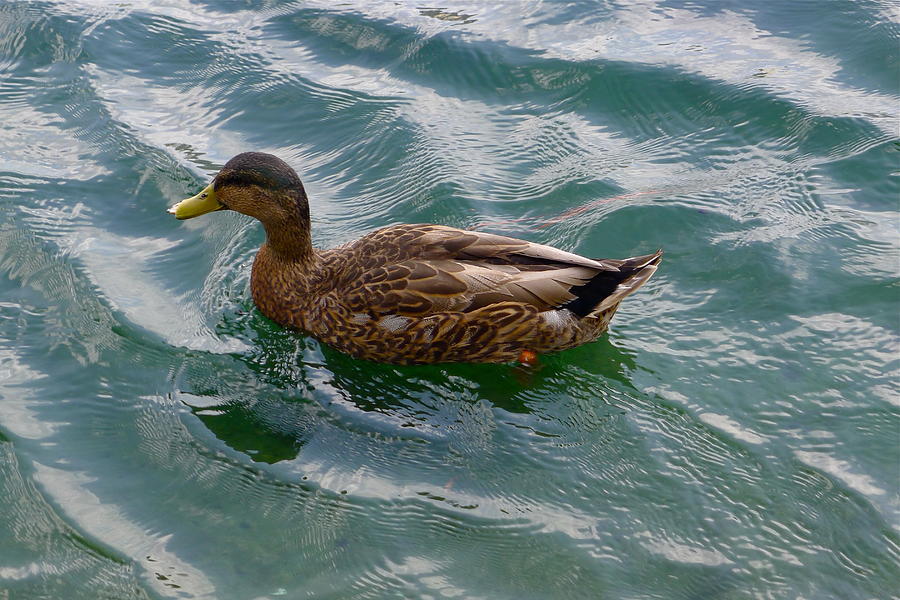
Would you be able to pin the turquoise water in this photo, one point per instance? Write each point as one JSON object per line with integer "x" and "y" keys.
{"x": 736, "y": 435}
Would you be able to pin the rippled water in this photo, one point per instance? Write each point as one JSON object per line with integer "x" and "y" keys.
{"x": 735, "y": 435}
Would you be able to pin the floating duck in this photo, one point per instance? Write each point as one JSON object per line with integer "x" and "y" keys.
{"x": 412, "y": 294}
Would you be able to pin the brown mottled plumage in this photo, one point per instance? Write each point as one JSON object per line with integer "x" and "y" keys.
{"x": 416, "y": 293}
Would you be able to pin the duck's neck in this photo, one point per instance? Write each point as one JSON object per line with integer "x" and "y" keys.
{"x": 283, "y": 274}
{"x": 289, "y": 242}
{"x": 287, "y": 228}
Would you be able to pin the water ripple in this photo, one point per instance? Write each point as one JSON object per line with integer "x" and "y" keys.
{"x": 732, "y": 434}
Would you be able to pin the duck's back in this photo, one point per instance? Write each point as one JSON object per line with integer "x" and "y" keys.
{"x": 429, "y": 293}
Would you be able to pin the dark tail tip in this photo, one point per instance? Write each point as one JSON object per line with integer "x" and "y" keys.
{"x": 611, "y": 287}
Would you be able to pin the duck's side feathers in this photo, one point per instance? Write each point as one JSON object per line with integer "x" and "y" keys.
{"x": 608, "y": 288}
{"x": 421, "y": 287}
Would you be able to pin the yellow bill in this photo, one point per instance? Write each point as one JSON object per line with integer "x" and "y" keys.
{"x": 195, "y": 206}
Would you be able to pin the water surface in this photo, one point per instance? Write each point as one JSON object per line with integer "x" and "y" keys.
{"x": 734, "y": 436}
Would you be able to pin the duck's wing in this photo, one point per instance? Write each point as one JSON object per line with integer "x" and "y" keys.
{"x": 418, "y": 270}
{"x": 438, "y": 241}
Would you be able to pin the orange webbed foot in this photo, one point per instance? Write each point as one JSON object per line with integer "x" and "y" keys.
{"x": 528, "y": 358}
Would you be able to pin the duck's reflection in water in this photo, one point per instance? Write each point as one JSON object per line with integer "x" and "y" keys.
{"x": 269, "y": 402}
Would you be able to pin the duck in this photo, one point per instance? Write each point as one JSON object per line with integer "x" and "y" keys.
{"x": 416, "y": 293}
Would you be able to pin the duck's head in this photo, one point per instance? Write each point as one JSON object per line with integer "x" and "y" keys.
{"x": 256, "y": 184}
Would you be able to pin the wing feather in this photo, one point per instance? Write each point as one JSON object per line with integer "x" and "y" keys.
{"x": 414, "y": 270}
{"x": 475, "y": 244}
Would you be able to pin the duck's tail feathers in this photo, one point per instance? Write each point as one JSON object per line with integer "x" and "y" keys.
{"x": 608, "y": 288}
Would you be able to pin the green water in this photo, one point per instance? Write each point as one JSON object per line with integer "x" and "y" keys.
{"x": 736, "y": 435}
